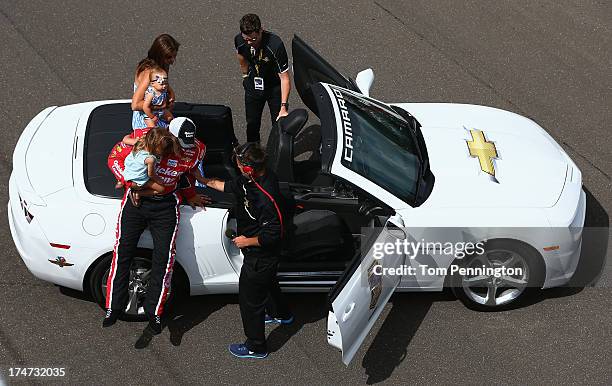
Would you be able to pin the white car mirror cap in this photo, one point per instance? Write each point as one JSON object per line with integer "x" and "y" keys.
{"x": 364, "y": 81}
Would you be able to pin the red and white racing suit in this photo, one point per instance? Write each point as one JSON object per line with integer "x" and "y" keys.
{"x": 161, "y": 214}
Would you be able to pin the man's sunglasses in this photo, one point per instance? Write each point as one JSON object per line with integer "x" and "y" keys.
{"x": 250, "y": 40}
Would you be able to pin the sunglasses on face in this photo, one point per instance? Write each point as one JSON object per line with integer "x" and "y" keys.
{"x": 160, "y": 79}
{"x": 251, "y": 39}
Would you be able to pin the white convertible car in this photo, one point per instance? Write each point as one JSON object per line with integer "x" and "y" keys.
{"x": 382, "y": 173}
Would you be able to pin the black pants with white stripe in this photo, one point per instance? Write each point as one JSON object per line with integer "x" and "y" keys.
{"x": 162, "y": 217}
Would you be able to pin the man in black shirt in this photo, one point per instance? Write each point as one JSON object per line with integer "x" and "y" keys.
{"x": 265, "y": 72}
{"x": 259, "y": 213}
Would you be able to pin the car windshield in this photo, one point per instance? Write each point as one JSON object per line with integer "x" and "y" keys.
{"x": 379, "y": 145}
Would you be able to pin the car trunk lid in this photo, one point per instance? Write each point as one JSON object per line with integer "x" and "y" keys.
{"x": 51, "y": 149}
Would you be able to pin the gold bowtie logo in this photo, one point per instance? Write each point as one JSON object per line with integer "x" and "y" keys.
{"x": 485, "y": 151}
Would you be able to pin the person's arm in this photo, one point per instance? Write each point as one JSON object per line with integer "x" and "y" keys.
{"x": 282, "y": 61}
{"x": 138, "y": 97}
{"x": 197, "y": 174}
{"x": 243, "y": 241}
{"x": 216, "y": 184}
{"x": 270, "y": 233}
{"x": 130, "y": 140}
{"x": 269, "y": 222}
{"x": 146, "y": 106}
{"x": 285, "y": 89}
{"x": 244, "y": 65}
{"x": 150, "y": 162}
{"x": 230, "y": 186}
{"x": 193, "y": 199}
{"x": 171, "y": 98}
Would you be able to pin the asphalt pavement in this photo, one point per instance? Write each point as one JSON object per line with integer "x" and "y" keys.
{"x": 548, "y": 60}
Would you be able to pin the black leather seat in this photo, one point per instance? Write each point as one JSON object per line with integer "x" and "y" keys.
{"x": 319, "y": 235}
{"x": 280, "y": 144}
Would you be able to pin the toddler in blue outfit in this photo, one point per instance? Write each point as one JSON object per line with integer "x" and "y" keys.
{"x": 140, "y": 163}
{"x": 155, "y": 111}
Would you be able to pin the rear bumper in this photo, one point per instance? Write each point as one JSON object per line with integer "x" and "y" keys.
{"x": 34, "y": 248}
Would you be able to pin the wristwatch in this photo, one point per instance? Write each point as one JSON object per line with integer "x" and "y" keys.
{"x": 286, "y": 104}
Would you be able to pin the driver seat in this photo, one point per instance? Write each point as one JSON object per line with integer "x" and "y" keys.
{"x": 280, "y": 144}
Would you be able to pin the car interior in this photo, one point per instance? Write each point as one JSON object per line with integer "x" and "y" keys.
{"x": 328, "y": 215}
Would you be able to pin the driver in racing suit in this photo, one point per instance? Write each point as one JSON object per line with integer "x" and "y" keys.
{"x": 161, "y": 214}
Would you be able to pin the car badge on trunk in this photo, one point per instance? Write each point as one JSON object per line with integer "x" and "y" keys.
{"x": 61, "y": 261}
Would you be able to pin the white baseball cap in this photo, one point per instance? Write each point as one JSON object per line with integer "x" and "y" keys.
{"x": 184, "y": 129}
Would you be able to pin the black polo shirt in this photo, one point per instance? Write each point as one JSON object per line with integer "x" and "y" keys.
{"x": 271, "y": 59}
{"x": 256, "y": 214}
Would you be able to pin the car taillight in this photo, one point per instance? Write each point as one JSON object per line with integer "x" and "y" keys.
{"x": 24, "y": 206}
{"x": 60, "y": 246}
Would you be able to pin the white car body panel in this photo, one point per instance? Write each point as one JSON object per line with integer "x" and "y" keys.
{"x": 359, "y": 304}
{"x": 19, "y": 161}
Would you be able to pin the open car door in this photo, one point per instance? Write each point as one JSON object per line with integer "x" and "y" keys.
{"x": 310, "y": 68}
{"x": 363, "y": 290}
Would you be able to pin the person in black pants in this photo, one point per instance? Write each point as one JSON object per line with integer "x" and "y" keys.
{"x": 259, "y": 214}
{"x": 265, "y": 72}
{"x": 161, "y": 214}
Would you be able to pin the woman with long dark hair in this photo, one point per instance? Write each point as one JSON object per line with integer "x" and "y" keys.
{"x": 161, "y": 54}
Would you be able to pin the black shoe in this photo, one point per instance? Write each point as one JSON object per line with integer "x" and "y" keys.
{"x": 152, "y": 329}
{"x": 145, "y": 339}
{"x": 110, "y": 318}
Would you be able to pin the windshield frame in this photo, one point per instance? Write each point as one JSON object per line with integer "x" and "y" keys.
{"x": 340, "y": 138}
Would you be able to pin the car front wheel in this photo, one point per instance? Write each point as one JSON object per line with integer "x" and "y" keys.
{"x": 524, "y": 273}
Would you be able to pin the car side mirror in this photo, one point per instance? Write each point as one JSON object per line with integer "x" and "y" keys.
{"x": 364, "y": 81}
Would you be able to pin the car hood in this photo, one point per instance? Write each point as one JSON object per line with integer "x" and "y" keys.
{"x": 530, "y": 169}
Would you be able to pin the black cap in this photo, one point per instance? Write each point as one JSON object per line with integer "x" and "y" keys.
{"x": 184, "y": 129}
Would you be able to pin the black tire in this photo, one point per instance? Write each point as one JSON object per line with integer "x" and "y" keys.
{"x": 506, "y": 295}
{"x": 141, "y": 263}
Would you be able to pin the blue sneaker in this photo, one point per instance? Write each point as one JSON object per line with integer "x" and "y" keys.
{"x": 240, "y": 350}
{"x": 271, "y": 320}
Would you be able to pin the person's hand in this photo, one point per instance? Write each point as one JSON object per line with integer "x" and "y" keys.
{"x": 242, "y": 242}
{"x": 199, "y": 200}
{"x": 282, "y": 113}
{"x": 168, "y": 116}
{"x": 170, "y": 104}
{"x": 213, "y": 180}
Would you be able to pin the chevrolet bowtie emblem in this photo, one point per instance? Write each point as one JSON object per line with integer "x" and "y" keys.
{"x": 485, "y": 151}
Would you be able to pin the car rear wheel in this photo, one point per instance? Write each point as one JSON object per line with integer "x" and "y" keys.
{"x": 140, "y": 271}
{"x": 491, "y": 293}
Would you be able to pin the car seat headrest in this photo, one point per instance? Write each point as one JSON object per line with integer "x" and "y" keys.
{"x": 294, "y": 122}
